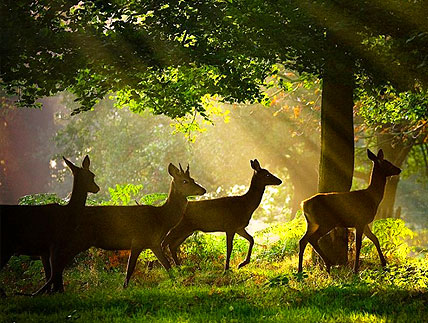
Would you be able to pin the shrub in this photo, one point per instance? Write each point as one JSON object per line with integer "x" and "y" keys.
{"x": 392, "y": 234}
{"x": 41, "y": 199}
{"x": 281, "y": 240}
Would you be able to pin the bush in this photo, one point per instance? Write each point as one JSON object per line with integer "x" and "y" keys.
{"x": 392, "y": 235}
{"x": 405, "y": 275}
{"x": 281, "y": 240}
{"x": 201, "y": 247}
{"x": 41, "y": 199}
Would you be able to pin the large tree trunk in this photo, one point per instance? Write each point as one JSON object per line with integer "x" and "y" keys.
{"x": 337, "y": 146}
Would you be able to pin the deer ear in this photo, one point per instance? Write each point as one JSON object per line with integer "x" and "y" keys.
{"x": 172, "y": 170}
{"x": 371, "y": 155}
{"x": 255, "y": 165}
{"x": 380, "y": 154}
{"x": 86, "y": 162}
{"x": 70, "y": 164}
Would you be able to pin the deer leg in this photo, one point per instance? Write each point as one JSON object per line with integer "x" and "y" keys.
{"x": 174, "y": 239}
{"x": 46, "y": 266}
{"x": 243, "y": 233}
{"x": 313, "y": 239}
{"x": 132, "y": 261}
{"x": 51, "y": 263}
{"x": 45, "y": 288}
{"x": 58, "y": 260}
{"x": 375, "y": 241}
{"x": 303, "y": 242}
{"x": 53, "y": 278}
{"x": 161, "y": 257}
{"x": 5, "y": 256}
{"x": 229, "y": 245}
{"x": 358, "y": 241}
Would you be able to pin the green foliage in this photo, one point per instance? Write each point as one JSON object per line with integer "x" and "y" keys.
{"x": 407, "y": 275}
{"x": 41, "y": 199}
{"x": 389, "y": 106}
{"x": 201, "y": 247}
{"x": 165, "y": 56}
{"x": 123, "y": 147}
{"x": 123, "y": 194}
{"x": 392, "y": 235}
{"x": 284, "y": 279}
{"x": 154, "y": 199}
{"x": 281, "y": 240}
{"x": 129, "y": 194}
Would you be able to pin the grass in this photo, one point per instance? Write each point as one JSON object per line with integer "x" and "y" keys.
{"x": 266, "y": 290}
{"x": 263, "y": 291}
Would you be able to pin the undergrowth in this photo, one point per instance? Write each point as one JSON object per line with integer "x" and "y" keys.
{"x": 268, "y": 289}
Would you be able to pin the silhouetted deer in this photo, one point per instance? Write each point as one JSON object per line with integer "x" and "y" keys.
{"x": 357, "y": 209}
{"x": 35, "y": 229}
{"x": 226, "y": 214}
{"x": 127, "y": 228}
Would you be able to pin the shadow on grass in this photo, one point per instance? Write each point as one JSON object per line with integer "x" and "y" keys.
{"x": 343, "y": 303}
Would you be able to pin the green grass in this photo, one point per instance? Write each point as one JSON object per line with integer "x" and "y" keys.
{"x": 263, "y": 291}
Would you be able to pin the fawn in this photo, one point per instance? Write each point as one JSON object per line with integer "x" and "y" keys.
{"x": 229, "y": 214}
{"x": 131, "y": 228}
{"x": 35, "y": 229}
{"x": 356, "y": 209}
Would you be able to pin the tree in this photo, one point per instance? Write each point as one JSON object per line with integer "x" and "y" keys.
{"x": 165, "y": 55}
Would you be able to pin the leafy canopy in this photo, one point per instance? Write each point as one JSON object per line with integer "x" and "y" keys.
{"x": 165, "y": 55}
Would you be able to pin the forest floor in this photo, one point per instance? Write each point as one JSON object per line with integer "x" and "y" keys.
{"x": 263, "y": 291}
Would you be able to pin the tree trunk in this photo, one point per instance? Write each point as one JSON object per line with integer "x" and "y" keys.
{"x": 25, "y": 150}
{"x": 337, "y": 146}
{"x": 386, "y": 207}
{"x": 396, "y": 151}
{"x": 303, "y": 177}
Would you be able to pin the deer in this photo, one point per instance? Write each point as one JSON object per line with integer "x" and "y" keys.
{"x": 230, "y": 214}
{"x": 35, "y": 229}
{"x": 356, "y": 209}
{"x": 133, "y": 228}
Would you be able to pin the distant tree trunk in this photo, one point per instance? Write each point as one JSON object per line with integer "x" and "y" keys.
{"x": 337, "y": 146}
{"x": 25, "y": 151}
{"x": 386, "y": 207}
{"x": 303, "y": 177}
{"x": 396, "y": 151}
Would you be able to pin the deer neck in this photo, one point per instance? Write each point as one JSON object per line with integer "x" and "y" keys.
{"x": 175, "y": 206}
{"x": 78, "y": 196}
{"x": 254, "y": 194}
{"x": 377, "y": 185}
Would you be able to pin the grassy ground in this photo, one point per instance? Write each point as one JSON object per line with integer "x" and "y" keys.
{"x": 200, "y": 292}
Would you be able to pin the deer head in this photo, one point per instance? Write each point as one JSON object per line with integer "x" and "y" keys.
{"x": 385, "y": 167}
{"x": 183, "y": 183}
{"x": 83, "y": 176}
{"x": 263, "y": 176}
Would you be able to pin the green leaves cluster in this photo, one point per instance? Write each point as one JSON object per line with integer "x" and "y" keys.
{"x": 130, "y": 194}
{"x": 281, "y": 240}
{"x": 393, "y": 235}
{"x": 123, "y": 194}
{"x": 388, "y": 106}
{"x": 163, "y": 56}
{"x": 41, "y": 199}
{"x": 407, "y": 275}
